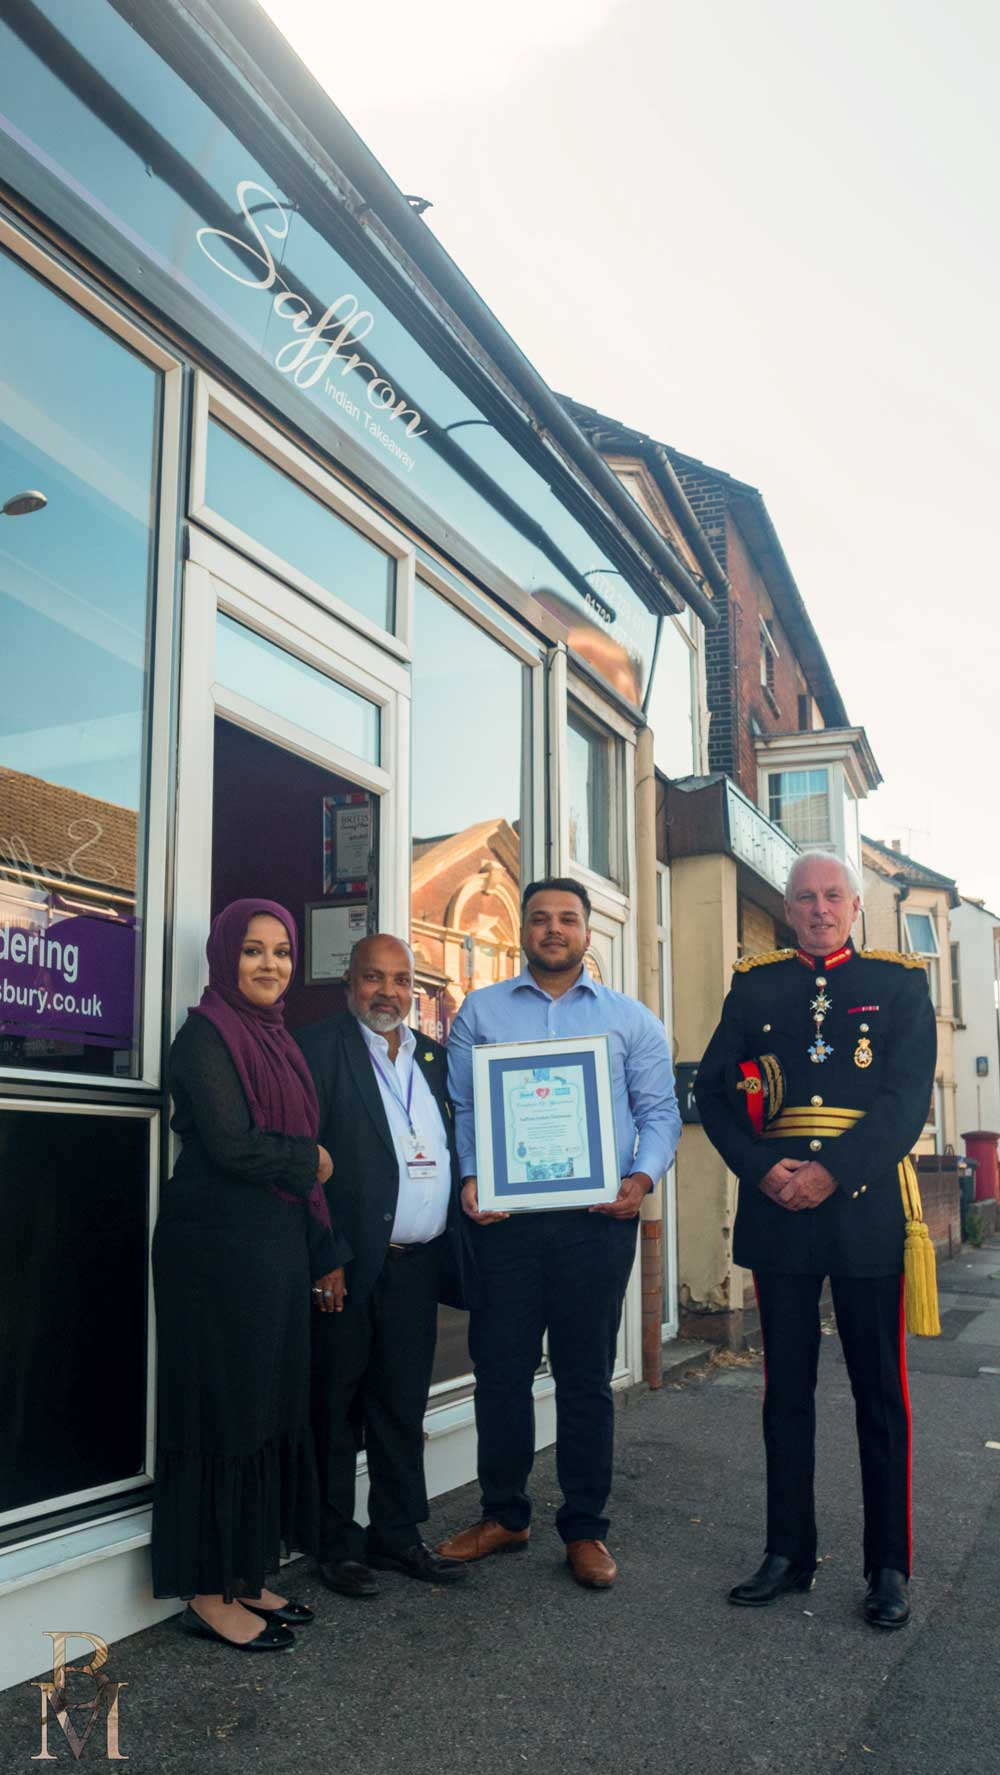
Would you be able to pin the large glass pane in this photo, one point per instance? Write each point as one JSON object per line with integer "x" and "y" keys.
{"x": 258, "y": 498}
{"x": 588, "y": 791}
{"x": 78, "y": 424}
{"x": 670, "y": 709}
{"x": 469, "y": 718}
{"x": 254, "y": 667}
{"x": 73, "y": 1244}
{"x": 163, "y": 190}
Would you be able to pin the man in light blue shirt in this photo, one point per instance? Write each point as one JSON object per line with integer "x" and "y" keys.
{"x": 564, "y": 1271}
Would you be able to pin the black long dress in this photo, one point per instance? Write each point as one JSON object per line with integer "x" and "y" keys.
{"x": 232, "y": 1269}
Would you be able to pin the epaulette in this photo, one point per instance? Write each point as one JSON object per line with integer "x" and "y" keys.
{"x": 905, "y": 961}
{"x": 760, "y": 961}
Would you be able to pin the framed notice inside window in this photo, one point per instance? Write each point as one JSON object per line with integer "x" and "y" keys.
{"x": 545, "y": 1124}
{"x": 331, "y": 933}
{"x": 348, "y": 844}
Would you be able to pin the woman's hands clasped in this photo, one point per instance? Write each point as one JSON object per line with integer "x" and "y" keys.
{"x": 329, "y": 1293}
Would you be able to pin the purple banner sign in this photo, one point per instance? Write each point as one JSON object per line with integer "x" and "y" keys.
{"x": 66, "y": 977}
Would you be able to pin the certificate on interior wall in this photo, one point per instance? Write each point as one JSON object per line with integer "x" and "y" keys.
{"x": 545, "y": 1124}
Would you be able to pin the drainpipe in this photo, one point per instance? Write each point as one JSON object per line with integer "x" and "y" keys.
{"x": 651, "y": 1211}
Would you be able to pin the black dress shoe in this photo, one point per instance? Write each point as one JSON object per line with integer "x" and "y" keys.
{"x": 290, "y": 1614}
{"x": 273, "y": 1638}
{"x": 888, "y": 1601}
{"x": 771, "y": 1579}
{"x": 349, "y": 1578}
{"x": 420, "y": 1561}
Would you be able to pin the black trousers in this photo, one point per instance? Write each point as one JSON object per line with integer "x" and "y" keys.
{"x": 371, "y": 1367}
{"x": 564, "y": 1271}
{"x": 870, "y": 1323}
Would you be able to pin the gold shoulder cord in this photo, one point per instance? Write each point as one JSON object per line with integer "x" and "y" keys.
{"x": 904, "y": 961}
{"x": 761, "y": 961}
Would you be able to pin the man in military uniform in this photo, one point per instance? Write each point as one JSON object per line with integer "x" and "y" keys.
{"x": 814, "y": 1088}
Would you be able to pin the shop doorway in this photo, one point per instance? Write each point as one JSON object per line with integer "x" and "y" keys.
{"x": 275, "y": 819}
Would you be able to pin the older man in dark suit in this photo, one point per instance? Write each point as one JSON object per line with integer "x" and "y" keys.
{"x": 386, "y": 1122}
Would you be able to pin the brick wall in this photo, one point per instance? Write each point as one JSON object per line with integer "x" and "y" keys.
{"x": 736, "y": 697}
{"x": 941, "y": 1198}
{"x": 757, "y": 929}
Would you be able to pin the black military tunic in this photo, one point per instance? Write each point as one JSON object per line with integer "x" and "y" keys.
{"x": 856, "y": 1039}
{"x": 847, "y": 1044}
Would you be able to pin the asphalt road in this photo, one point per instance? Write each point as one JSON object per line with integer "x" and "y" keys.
{"x": 519, "y": 1669}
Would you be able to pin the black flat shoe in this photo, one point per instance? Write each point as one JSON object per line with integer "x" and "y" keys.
{"x": 273, "y": 1639}
{"x": 772, "y": 1579}
{"x": 290, "y": 1614}
{"x": 421, "y": 1562}
{"x": 888, "y": 1601}
{"x": 349, "y": 1578}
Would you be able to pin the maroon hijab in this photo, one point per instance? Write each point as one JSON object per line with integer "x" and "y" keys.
{"x": 270, "y": 1064}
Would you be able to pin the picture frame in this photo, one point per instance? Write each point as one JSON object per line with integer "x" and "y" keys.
{"x": 545, "y": 1125}
{"x": 332, "y": 929}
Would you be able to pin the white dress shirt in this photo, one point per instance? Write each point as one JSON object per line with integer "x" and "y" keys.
{"x": 422, "y": 1205}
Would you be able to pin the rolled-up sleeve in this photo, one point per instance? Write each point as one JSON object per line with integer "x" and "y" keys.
{"x": 653, "y": 1101}
{"x": 461, "y": 1041}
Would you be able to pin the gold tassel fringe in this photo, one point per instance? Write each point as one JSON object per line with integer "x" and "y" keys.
{"x": 920, "y": 1295}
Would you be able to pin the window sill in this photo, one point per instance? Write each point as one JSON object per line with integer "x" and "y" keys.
{"x": 31, "y": 1562}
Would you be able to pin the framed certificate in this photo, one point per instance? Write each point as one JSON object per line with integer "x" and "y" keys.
{"x": 545, "y": 1124}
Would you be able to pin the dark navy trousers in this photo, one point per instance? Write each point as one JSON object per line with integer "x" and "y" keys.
{"x": 869, "y": 1313}
{"x": 563, "y": 1271}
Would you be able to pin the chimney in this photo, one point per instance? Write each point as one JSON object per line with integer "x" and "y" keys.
{"x": 896, "y": 844}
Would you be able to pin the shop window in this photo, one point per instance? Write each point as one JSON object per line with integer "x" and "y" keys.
{"x": 265, "y": 504}
{"x": 799, "y": 802}
{"x": 79, "y": 426}
{"x": 592, "y": 796}
{"x": 74, "y": 1216}
{"x": 471, "y": 700}
{"x": 921, "y": 939}
{"x": 254, "y": 667}
{"x": 672, "y": 706}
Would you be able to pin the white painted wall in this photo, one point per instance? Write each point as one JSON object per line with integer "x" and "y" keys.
{"x": 977, "y": 1100}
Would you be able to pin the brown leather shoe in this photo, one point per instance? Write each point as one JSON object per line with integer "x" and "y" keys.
{"x": 482, "y": 1539}
{"x": 591, "y": 1564}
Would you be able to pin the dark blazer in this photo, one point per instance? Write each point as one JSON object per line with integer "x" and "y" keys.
{"x": 364, "y": 1188}
{"x": 881, "y": 1050}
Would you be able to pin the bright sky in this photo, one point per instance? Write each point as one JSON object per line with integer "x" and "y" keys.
{"x": 767, "y": 235}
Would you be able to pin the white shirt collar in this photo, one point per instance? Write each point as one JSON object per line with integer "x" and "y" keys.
{"x": 377, "y": 1044}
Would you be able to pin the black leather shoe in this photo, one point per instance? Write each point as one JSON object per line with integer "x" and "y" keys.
{"x": 275, "y": 1638}
{"x": 771, "y": 1579}
{"x": 888, "y": 1601}
{"x": 420, "y": 1561}
{"x": 349, "y": 1578}
{"x": 290, "y": 1614}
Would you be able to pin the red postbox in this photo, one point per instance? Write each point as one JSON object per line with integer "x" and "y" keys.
{"x": 981, "y": 1145}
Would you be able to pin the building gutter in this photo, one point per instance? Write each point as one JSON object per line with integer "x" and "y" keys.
{"x": 238, "y": 26}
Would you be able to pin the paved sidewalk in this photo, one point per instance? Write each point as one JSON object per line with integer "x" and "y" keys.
{"x": 521, "y": 1670}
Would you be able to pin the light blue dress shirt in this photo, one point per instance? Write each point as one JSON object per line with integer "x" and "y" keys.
{"x": 647, "y": 1122}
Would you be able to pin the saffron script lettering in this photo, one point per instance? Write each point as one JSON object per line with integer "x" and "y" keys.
{"x": 322, "y": 345}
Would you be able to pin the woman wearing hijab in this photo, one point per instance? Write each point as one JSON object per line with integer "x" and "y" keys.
{"x": 242, "y": 1240}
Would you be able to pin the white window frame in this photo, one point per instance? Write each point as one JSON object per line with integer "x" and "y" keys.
{"x": 28, "y": 1513}
{"x": 833, "y": 810}
{"x": 219, "y": 580}
{"x": 213, "y": 401}
{"x": 671, "y": 1317}
{"x": 158, "y": 684}
{"x": 581, "y": 702}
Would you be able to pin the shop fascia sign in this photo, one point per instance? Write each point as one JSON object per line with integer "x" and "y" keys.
{"x": 323, "y": 345}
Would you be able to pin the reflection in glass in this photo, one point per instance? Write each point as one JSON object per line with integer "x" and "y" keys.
{"x": 588, "y": 793}
{"x": 151, "y": 168}
{"x": 79, "y": 421}
{"x": 799, "y": 802}
{"x": 267, "y": 505}
{"x": 470, "y": 701}
{"x": 255, "y": 668}
{"x": 73, "y": 1261}
{"x": 670, "y": 710}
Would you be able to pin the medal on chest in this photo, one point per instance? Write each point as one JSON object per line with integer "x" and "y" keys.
{"x": 820, "y": 1049}
{"x": 863, "y": 1055}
